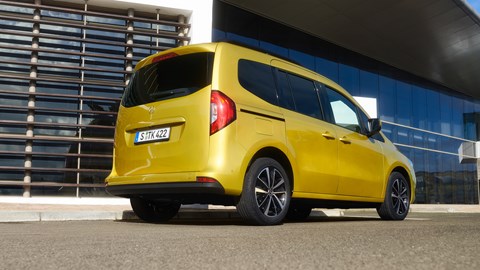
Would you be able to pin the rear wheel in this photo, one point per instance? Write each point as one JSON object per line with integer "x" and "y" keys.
{"x": 397, "y": 198}
{"x": 153, "y": 211}
{"x": 266, "y": 193}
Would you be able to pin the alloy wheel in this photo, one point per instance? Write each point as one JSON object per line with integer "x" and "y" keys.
{"x": 400, "y": 197}
{"x": 270, "y": 191}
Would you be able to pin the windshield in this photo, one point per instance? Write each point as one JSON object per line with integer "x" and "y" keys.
{"x": 169, "y": 78}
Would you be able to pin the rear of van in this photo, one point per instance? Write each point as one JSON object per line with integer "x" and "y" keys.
{"x": 175, "y": 135}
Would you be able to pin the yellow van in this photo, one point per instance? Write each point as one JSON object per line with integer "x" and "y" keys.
{"x": 224, "y": 124}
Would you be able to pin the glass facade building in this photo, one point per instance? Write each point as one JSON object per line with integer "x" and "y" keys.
{"x": 64, "y": 67}
{"x": 426, "y": 121}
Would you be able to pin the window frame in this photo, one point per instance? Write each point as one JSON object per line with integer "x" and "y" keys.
{"x": 316, "y": 88}
{"x": 329, "y": 111}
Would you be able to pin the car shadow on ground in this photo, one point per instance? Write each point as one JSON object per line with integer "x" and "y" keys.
{"x": 232, "y": 218}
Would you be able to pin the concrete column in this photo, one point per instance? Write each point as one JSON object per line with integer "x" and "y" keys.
{"x": 182, "y": 31}
{"x": 27, "y": 179}
{"x": 80, "y": 105}
{"x": 158, "y": 26}
{"x": 129, "y": 50}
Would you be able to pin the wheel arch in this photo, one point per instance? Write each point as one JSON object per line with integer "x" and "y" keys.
{"x": 279, "y": 156}
{"x": 407, "y": 176}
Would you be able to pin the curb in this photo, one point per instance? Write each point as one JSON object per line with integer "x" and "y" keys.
{"x": 195, "y": 212}
{"x": 34, "y": 216}
{"x": 184, "y": 214}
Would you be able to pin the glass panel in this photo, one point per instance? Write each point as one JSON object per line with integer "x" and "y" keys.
{"x": 349, "y": 79}
{"x": 284, "y": 92}
{"x": 257, "y": 78}
{"x": 305, "y": 96}
{"x": 368, "y": 84}
{"x": 344, "y": 111}
{"x": 167, "y": 79}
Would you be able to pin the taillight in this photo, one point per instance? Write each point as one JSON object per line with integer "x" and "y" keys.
{"x": 222, "y": 111}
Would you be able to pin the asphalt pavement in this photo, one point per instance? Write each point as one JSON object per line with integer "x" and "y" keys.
{"x": 363, "y": 241}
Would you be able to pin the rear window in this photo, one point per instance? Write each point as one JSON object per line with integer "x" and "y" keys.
{"x": 169, "y": 78}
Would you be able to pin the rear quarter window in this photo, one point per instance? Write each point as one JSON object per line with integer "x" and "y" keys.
{"x": 258, "y": 79}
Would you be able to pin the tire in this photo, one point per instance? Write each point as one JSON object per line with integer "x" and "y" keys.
{"x": 397, "y": 198}
{"x": 266, "y": 193}
{"x": 298, "y": 212}
{"x": 154, "y": 212}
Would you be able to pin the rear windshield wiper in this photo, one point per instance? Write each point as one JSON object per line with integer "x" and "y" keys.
{"x": 168, "y": 93}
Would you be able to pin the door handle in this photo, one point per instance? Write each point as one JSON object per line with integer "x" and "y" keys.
{"x": 345, "y": 140}
{"x": 328, "y": 136}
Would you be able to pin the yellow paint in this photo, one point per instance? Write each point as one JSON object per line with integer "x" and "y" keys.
{"x": 323, "y": 166}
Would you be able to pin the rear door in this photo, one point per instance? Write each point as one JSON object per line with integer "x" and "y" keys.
{"x": 163, "y": 123}
{"x": 310, "y": 139}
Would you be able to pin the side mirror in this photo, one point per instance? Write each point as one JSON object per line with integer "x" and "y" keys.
{"x": 374, "y": 126}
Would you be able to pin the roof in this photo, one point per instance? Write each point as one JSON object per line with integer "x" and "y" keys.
{"x": 438, "y": 40}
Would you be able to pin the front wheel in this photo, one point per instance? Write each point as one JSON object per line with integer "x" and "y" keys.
{"x": 266, "y": 193}
{"x": 397, "y": 198}
{"x": 154, "y": 211}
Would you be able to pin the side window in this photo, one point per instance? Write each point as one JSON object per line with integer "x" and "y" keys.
{"x": 305, "y": 96}
{"x": 258, "y": 79}
{"x": 344, "y": 111}
{"x": 285, "y": 97}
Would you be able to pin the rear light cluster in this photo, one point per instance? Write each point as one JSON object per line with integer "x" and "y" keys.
{"x": 222, "y": 111}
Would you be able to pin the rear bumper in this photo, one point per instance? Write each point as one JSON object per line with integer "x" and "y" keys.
{"x": 163, "y": 190}
{"x": 182, "y": 192}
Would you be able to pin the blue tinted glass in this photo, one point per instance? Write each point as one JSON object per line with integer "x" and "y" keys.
{"x": 349, "y": 79}
{"x": 445, "y": 114}
{"x": 470, "y": 127}
{"x": 218, "y": 34}
{"x": 433, "y": 111}
{"x": 271, "y": 40}
{"x": 404, "y": 103}
{"x": 274, "y": 49}
{"x": 457, "y": 117}
{"x": 368, "y": 84}
{"x": 303, "y": 59}
{"x": 386, "y": 99}
{"x": 419, "y": 107}
{"x": 327, "y": 68}
{"x": 242, "y": 39}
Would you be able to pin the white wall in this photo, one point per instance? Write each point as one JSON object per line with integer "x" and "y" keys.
{"x": 198, "y": 12}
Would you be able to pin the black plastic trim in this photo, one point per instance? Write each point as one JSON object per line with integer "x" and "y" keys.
{"x": 262, "y": 115}
{"x": 166, "y": 189}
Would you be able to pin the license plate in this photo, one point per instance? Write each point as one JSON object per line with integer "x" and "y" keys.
{"x": 152, "y": 135}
